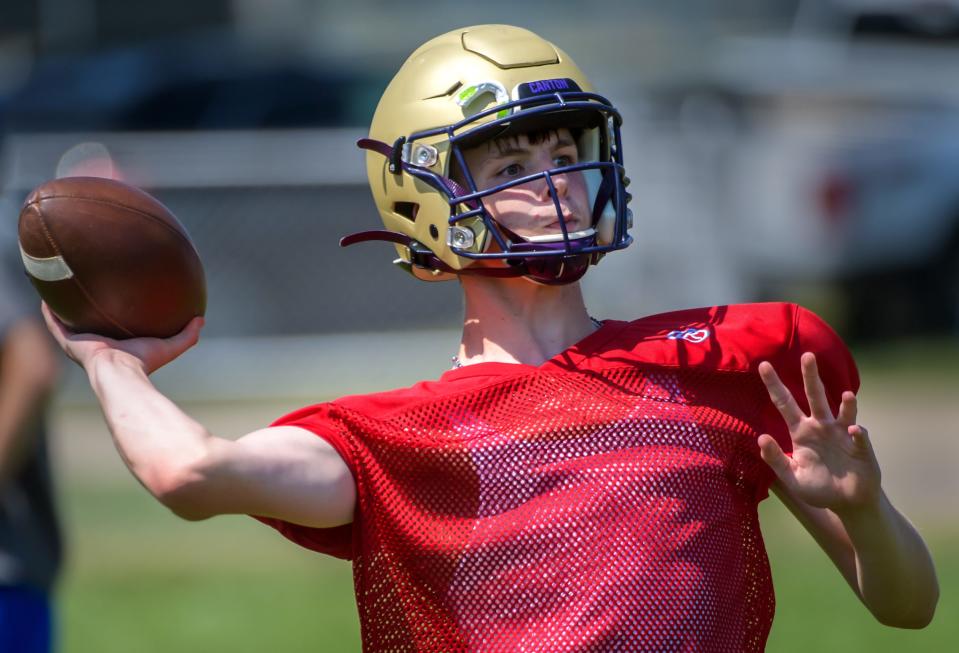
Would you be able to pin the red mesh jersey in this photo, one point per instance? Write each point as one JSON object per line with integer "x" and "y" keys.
{"x": 604, "y": 501}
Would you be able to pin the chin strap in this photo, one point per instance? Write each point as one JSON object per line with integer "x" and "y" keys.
{"x": 565, "y": 270}
{"x": 422, "y": 257}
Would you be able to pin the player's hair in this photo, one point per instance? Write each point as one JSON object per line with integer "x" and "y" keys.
{"x": 507, "y": 141}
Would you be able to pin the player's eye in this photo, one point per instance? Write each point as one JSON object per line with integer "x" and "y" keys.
{"x": 567, "y": 156}
{"x": 512, "y": 170}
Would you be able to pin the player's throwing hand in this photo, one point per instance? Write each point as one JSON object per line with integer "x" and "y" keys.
{"x": 832, "y": 463}
{"x": 150, "y": 354}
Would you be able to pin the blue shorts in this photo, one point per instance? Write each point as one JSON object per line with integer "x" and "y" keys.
{"x": 26, "y": 620}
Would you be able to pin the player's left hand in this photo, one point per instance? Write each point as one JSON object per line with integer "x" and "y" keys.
{"x": 832, "y": 463}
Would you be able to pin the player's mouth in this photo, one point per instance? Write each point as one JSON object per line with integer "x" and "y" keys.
{"x": 572, "y": 224}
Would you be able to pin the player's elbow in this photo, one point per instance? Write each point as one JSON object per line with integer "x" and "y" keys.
{"x": 181, "y": 488}
{"x": 916, "y": 616}
{"x": 912, "y": 621}
{"x": 183, "y": 503}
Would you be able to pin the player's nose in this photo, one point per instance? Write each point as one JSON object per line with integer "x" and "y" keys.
{"x": 561, "y": 184}
{"x": 558, "y": 182}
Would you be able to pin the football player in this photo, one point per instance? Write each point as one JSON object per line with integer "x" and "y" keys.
{"x": 571, "y": 484}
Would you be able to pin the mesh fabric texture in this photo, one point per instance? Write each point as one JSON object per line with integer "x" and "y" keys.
{"x": 605, "y": 501}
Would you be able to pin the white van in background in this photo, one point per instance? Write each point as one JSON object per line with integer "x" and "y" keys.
{"x": 836, "y": 155}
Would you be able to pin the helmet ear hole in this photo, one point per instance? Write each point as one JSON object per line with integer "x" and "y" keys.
{"x": 407, "y": 210}
{"x": 434, "y": 232}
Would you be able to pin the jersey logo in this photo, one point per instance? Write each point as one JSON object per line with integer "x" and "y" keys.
{"x": 692, "y": 335}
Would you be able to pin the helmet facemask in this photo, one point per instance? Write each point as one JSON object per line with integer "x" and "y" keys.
{"x": 576, "y": 199}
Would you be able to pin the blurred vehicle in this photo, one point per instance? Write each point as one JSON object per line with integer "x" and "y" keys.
{"x": 838, "y": 159}
{"x": 205, "y": 81}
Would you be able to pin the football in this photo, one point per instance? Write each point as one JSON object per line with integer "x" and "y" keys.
{"x": 110, "y": 259}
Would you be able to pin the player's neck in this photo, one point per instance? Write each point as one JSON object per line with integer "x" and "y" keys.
{"x": 516, "y": 321}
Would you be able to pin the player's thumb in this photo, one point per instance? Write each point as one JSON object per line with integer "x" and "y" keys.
{"x": 188, "y": 336}
{"x": 157, "y": 353}
{"x": 773, "y": 455}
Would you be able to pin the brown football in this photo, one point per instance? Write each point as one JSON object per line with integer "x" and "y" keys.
{"x": 110, "y": 259}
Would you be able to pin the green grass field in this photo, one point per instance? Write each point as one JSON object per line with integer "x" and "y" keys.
{"x": 139, "y": 580}
{"x": 142, "y": 581}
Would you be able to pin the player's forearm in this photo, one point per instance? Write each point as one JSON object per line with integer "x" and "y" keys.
{"x": 895, "y": 573}
{"x": 158, "y": 442}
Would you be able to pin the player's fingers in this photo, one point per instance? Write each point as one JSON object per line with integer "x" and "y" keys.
{"x": 187, "y": 337}
{"x": 860, "y": 437}
{"x": 815, "y": 390}
{"x": 65, "y": 334}
{"x": 196, "y": 326}
{"x": 70, "y": 342}
{"x": 154, "y": 353}
{"x": 56, "y": 326}
{"x": 773, "y": 455}
{"x": 848, "y": 409}
{"x": 780, "y": 395}
{"x": 60, "y": 332}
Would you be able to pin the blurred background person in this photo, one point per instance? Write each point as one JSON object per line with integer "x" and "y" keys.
{"x": 30, "y": 540}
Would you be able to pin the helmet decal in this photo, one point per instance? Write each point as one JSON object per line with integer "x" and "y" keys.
{"x": 538, "y": 87}
{"x": 468, "y": 96}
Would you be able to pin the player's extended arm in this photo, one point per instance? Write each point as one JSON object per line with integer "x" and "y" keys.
{"x": 28, "y": 371}
{"x": 831, "y": 482}
{"x": 282, "y": 472}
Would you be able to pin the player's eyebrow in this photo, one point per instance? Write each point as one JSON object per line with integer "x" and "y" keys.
{"x": 513, "y": 148}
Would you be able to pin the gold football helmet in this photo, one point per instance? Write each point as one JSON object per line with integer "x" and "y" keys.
{"x": 463, "y": 88}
